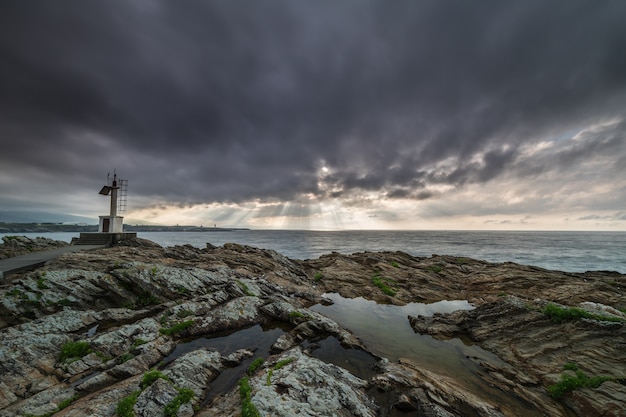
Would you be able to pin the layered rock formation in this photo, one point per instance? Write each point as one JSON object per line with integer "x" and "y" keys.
{"x": 21, "y": 245}
{"x": 126, "y": 331}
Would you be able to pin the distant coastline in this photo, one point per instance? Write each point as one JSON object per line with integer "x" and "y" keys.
{"x": 61, "y": 227}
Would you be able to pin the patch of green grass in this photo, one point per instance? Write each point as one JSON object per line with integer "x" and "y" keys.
{"x": 125, "y": 357}
{"x": 41, "y": 283}
{"x": 435, "y": 268}
{"x": 461, "y": 260}
{"x": 138, "y": 342}
{"x": 256, "y": 364}
{"x": 278, "y": 365}
{"x": 298, "y": 315}
{"x": 501, "y": 294}
{"x": 67, "y": 402}
{"x": 145, "y": 299}
{"x": 570, "y": 382}
{"x": 245, "y": 393}
{"x": 318, "y": 277}
{"x": 182, "y": 290}
{"x": 570, "y": 367}
{"x": 184, "y": 313}
{"x": 74, "y": 350}
{"x": 151, "y": 376}
{"x": 14, "y": 292}
{"x": 125, "y": 406}
{"x": 395, "y": 264}
{"x": 185, "y": 395}
{"x": 64, "y": 302}
{"x": 154, "y": 270}
{"x": 103, "y": 357}
{"x": 381, "y": 283}
{"x": 177, "y": 328}
{"x": 561, "y": 314}
{"x": 245, "y": 289}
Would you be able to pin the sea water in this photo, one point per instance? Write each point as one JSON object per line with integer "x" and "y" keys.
{"x": 564, "y": 251}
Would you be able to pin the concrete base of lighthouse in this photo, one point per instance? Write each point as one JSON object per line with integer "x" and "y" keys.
{"x": 110, "y": 224}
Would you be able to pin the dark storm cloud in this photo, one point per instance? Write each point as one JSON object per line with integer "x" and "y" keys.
{"x": 234, "y": 101}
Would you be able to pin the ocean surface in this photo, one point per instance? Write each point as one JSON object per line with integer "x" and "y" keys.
{"x": 564, "y": 251}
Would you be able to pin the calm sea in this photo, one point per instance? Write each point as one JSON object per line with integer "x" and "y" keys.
{"x": 565, "y": 251}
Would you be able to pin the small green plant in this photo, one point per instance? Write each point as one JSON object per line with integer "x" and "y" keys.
{"x": 125, "y": 357}
{"x": 276, "y": 367}
{"x": 177, "y": 328}
{"x": 245, "y": 289}
{"x": 318, "y": 277}
{"x": 245, "y": 393}
{"x": 184, "y": 313}
{"x": 103, "y": 357}
{"x": 256, "y": 364}
{"x": 64, "y": 302}
{"x": 151, "y": 376}
{"x": 395, "y": 264}
{"x": 182, "y": 290}
{"x": 501, "y": 294}
{"x": 435, "y": 268}
{"x": 570, "y": 367}
{"x": 14, "y": 292}
{"x": 569, "y": 382}
{"x": 67, "y": 402}
{"x": 138, "y": 342}
{"x": 125, "y": 406}
{"x": 561, "y": 314}
{"x": 145, "y": 299}
{"x": 41, "y": 283}
{"x": 381, "y": 283}
{"x": 153, "y": 271}
{"x": 74, "y": 350}
{"x": 185, "y": 395}
{"x": 298, "y": 315}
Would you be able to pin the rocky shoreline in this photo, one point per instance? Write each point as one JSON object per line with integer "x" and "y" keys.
{"x": 21, "y": 245}
{"x": 112, "y": 331}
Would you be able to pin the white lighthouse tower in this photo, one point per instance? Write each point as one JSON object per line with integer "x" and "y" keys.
{"x": 117, "y": 189}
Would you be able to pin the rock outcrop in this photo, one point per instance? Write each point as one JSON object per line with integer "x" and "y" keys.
{"x": 21, "y": 245}
{"x": 126, "y": 331}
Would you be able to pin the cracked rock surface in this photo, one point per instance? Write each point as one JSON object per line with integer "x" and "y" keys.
{"x": 93, "y": 332}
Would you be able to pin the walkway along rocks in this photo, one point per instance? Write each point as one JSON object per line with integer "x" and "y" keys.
{"x": 98, "y": 333}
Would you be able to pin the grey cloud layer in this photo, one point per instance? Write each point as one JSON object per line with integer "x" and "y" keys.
{"x": 234, "y": 101}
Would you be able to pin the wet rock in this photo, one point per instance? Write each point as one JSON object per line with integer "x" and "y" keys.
{"x": 433, "y": 394}
{"x": 535, "y": 349}
{"x": 296, "y": 384}
{"x": 153, "y": 400}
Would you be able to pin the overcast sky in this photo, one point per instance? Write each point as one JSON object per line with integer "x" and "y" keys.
{"x": 318, "y": 114}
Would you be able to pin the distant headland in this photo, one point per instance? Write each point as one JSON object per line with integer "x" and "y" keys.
{"x": 85, "y": 228}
